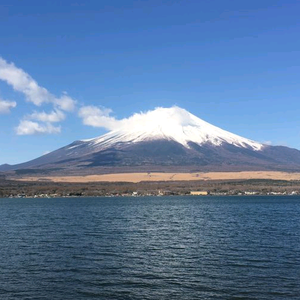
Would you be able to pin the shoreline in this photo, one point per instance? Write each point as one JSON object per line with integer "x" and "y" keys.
{"x": 45, "y": 189}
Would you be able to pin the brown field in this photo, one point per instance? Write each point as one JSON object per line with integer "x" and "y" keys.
{"x": 138, "y": 177}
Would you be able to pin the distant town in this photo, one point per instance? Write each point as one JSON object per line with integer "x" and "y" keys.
{"x": 17, "y": 189}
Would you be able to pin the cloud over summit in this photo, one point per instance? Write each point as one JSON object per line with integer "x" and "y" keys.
{"x": 98, "y": 117}
{"x": 101, "y": 117}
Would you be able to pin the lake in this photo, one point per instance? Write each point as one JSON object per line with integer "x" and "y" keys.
{"x": 150, "y": 248}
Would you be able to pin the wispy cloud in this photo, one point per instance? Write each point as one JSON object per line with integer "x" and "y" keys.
{"x": 6, "y": 106}
{"x": 27, "y": 127}
{"x": 36, "y": 122}
{"x": 98, "y": 117}
{"x": 24, "y": 83}
{"x": 40, "y": 123}
{"x": 52, "y": 117}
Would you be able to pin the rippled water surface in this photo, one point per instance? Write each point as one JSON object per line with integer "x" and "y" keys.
{"x": 150, "y": 248}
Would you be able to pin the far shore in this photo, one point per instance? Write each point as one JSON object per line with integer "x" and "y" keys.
{"x": 139, "y": 177}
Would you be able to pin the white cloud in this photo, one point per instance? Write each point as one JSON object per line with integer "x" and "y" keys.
{"x": 27, "y": 127}
{"x": 5, "y": 106}
{"x": 37, "y": 122}
{"x": 52, "y": 117}
{"x": 98, "y": 117}
{"x": 65, "y": 103}
{"x": 24, "y": 83}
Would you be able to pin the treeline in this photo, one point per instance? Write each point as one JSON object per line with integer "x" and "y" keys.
{"x": 233, "y": 187}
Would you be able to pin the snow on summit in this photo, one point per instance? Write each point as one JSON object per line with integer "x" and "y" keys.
{"x": 173, "y": 123}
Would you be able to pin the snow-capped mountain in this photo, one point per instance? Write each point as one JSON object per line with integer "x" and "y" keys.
{"x": 164, "y": 139}
{"x": 173, "y": 124}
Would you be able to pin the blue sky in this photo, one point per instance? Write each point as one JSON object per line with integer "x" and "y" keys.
{"x": 235, "y": 64}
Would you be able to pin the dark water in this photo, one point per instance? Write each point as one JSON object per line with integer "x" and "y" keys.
{"x": 150, "y": 248}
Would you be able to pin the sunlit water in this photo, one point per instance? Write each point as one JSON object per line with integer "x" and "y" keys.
{"x": 150, "y": 248}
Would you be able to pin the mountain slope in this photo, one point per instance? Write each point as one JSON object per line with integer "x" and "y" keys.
{"x": 164, "y": 139}
{"x": 174, "y": 124}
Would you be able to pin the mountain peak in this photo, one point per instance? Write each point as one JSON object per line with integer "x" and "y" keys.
{"x": 166, "y": 120}
{"x": 163, "y": 139}
{"x": 175, "y": 124}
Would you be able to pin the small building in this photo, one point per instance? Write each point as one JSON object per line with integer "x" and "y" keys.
{"x": 199, "y": 193}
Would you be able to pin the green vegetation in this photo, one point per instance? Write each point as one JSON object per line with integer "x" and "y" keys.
{"x": 234, "y": 187}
